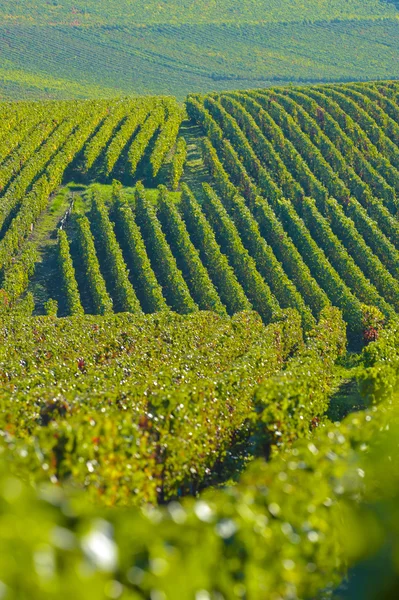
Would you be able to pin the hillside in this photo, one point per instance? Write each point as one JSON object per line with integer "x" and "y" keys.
{"x": 117, "y": 48}
{"x": 300, "y": 210}
{"x": 199, "y": 345}
{"x": 144, "y": 12}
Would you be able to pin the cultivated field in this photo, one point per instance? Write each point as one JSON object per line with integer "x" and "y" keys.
{"x": 97, "y": 49}
{"x": 199, "y": 348}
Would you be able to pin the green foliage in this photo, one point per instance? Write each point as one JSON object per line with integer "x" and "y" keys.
{"x": 266, "y": 262}
{"x": 327, "y": 162}
{"x": 94, "y": 148}
{"x": 222, "y": 274}
{"x": 115, "y": 271}
{"x": 286, "y": 251}
{"x": 118, "y": 12}
{"x": 249, "y": 45}
{"x": 373, "y": 321}
{"x": 291, "y": 404}
{"x": 350, "y": 273}
{"x": 187, "y": 256}
{"x": 132, "y": 407}
{"x": 121, "y": 138}
{"x": 294, "y": 523}
{"x": 143, "y": 138}
{"x": 148, "y": 289}
{"x": 67, "y": 272}
{"x": 244, "y": 265}
{"x": 51, "y": 307}
{"x": 16, "y": 277}
{"x": 163, "y": 262}
{"x": 380, "y": 378}
{"x": 297, "y": 225}
{"x": 178, "y": 162}
{"x": 32, "y": 207}
{"x": 102, "y": 302}
{"x": 293, "y": 208}
{"x": 167, "y": 139}
{"x": 357, "y": 148}
{"x": 348, "y": 246}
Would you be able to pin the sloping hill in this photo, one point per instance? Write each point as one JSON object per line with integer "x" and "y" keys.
{"x": 160, "y": 382}
{"x": 293, "y": 203}
{"x": 144, "y": 12}
{"x": 99, "y": 49}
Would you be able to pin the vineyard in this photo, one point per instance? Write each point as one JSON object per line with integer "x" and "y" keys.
{"x": 98, "y": 49}
{"x": 199, "y": 348}
{"x": 291, "y": 204}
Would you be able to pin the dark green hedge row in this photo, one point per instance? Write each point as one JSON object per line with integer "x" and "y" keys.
{"x": 321, "y": 269}
{"x": 384, "y": 96}
{"x": 187, "y": 256}
{"x": 16, "y": 277}
{"x": 178, "y": 162}
{"x": 353, "y": 142}
{"x": 334, "y": 170}
{"x": 380, "y": 378}
{"x": 117, "y": 112}
{"x": 163, "y": 262}
{"x": 142, "y": 275}
{"x": 220, "y": 271}
{"x": 328, "y": 140}
{"x": 85, "y": 114}
{"x": 244, "y": 153}
{"x": 234, "y": 165}
{"x": 361, "y": 250}
{"x": 30, "y": 117}
{"x": 319, "y": 266}
{"x": 68, "y": 280}
{"x": 350, "y": 238}
{"x": 110, "y": 255}
{"x": 327, "y": 240}
{"x": 383, "y": 110}
{"x": 28, "y": 147}
{"x": 34, "y": 203}
{"x": 94, "y": 280}
{"x": 256, "y": 288}
{"x": 134, "y": 119}
{"x": 372, "y": 120}
{"x": 32, "y": 207}
{"x": 147, "y": 131}
{"x": 270, "y": 228}
{"x": 336, "y": 252}
{"x": 167, "y": 136}
{"x": 267, "y": 264}
{"x": 268, "y": 154}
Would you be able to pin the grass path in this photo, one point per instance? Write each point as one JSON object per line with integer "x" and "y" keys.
{"x": 195, "y": 172}
{"x": 44, "y": 283}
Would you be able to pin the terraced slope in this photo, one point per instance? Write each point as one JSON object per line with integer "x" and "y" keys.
{"x": 104, "y": 49}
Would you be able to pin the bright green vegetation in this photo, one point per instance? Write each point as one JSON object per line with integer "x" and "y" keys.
{"x": 180, "y": 285}
{"x": 297, "y": 209}
{"x": 301, "y": 215}
{"x": 103, "y": 49}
